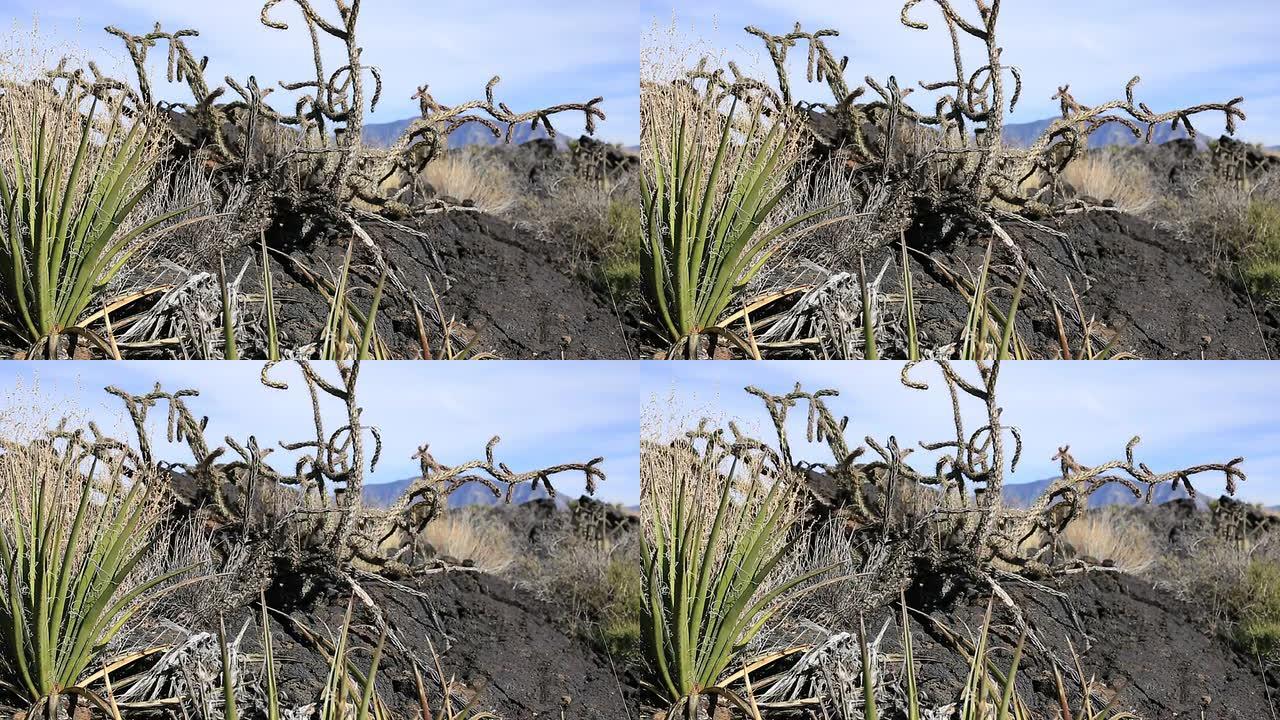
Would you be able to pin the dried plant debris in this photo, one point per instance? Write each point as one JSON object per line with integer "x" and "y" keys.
{"x": 960, "y": 505}
{"x": 316, "y": 517}
{"x": 316, "y": 152}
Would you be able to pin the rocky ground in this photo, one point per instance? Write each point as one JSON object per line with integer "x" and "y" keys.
{"x": 1151, "y": 293}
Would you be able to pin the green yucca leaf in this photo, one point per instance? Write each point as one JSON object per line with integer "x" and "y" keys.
{"x": 269, "y": 301}
{"x": 868, "y": 675}
{"x": 868, "y": 321}
{"x": 269, "y": 663}
{"x": 367, "y": 692}
{"x": 334, "y": 699}
{"x": 913, "y": 338}
{"x": 1007, "y": 696}
{"x": 909, "y": 662}
{"x": 228, "y": 679}
{"x": 1007, "y": 335}
{"x": 229, "y": 350}
{"x": 367, "y": 335}
{"x": 976, "y": 322}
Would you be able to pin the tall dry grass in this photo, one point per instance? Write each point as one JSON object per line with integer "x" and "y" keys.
{"x": 1111, "y": 176}
{"x": 1115, "y": 535}
{"x": 471, "y": 176}
{"x": 475, "y": 535}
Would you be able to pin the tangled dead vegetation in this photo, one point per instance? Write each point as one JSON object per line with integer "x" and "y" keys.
{"x": 314, "y": 519}
{"x": 316, "y": 152}
{"x": 886, "y": 171}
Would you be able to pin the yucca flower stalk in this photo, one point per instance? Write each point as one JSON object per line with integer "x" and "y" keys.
{"x": 712, "y": 542}
{"x": 72, "y": 533}
{"x": 71, "y": 182}
{"x": 710, "y": 188}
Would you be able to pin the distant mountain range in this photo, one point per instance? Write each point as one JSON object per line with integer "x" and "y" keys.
{"x": 1023, "y": 134}
{"x": 1022, "y": 494}
{"x": 383, "y": 494}
{"x": 383, "y": 134}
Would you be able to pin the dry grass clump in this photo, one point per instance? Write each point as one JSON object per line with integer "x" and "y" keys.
{"x": 1119, "y": 179}
{"x": 471, "y": 177}
{"x": 472, "y": 535}
{"x": 1112, "y": 536}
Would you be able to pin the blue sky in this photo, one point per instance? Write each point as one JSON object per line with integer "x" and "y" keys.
{"x": 547, "y": 52}
{"x": 1186, "y": 412}
{"x": 546, "y": 413}
{"x": 1187, "y": 51}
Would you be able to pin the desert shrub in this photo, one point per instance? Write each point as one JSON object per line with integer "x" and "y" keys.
{"x": 1260, "y": 248}
{"x": 1112, "y": 177}
{"x": 1113, "y": 536}
{"x": 468, "y": 535}
{"x": 468, "y": 176}
{"x": 73, "y": 542}
{"x": 1238, "y": 223}
{"x": 1255, "y": 601}
{"x": 620, "y": 625}
{"x": 598, "y": 581}
{"x": 71, "y": 184}
{"x": 620, "y": 265}
{"x": 599, "y": 221}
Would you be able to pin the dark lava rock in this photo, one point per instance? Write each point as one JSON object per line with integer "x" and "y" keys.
{"x": 512, "y": 290}
{"x": 503, "y": 644}
{"x": 1146, "y": 648}
{"x": 1150, "y": 291}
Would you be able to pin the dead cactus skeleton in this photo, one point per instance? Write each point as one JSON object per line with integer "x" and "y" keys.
{"x": 314, "y": 517}
{"x": 329, "y": 110}
{"x": 969, "y": 114}
{"x": 968, "y": 478}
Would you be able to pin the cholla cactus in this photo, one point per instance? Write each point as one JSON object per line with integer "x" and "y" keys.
{"x": 963, "y": 496}
{"x": 316, "y": 516}
{"x": 328, "y": 153}
{"x": 968, "y": 117}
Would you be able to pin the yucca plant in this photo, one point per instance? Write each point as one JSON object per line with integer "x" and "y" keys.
{"x": 70, "y": 184}
{"x": 710, "y": 549}
{"x": 71, "y": 536}
{"x": 709, "y": 192}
